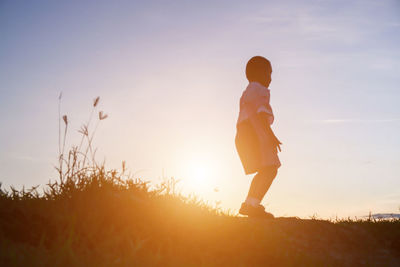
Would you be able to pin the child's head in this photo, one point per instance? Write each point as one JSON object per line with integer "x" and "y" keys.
{"x": 258, "y": 69}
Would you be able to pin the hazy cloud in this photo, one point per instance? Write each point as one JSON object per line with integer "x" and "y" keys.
{"x": 332, "y": 121}
{"x": 32, "y": 159}
{"x": 347, "y": 23}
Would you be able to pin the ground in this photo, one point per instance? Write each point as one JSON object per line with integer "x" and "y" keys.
{"x": 101, "y": 220}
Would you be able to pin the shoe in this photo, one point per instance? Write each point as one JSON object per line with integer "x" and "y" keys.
{"x": 255, "y": 211}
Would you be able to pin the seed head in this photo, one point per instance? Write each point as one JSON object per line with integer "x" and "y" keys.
{"x": 123, "y": 165}
{"x": 96, "y": 101}
{"x": 84, "y": 130}
{"x": 65, "y": 118}
{"x": 102, "y": 116}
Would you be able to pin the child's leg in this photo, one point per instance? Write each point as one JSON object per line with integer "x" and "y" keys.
{"x": 260, "y": 185}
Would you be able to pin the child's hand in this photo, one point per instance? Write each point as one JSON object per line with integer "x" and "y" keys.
{"x": 278, "y": 143}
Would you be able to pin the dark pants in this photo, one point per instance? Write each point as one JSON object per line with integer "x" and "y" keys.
{"x": 250, "y": 149}
{"x": 262, "y": 182}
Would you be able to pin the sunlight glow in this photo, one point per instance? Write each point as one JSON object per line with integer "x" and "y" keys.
{"x": 200, "y": 175}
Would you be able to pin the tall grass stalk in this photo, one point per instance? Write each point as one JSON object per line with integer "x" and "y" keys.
{"x": 78, "y": 160}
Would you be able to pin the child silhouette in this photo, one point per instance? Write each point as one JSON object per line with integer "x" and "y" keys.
{"x": 255, "y": 141}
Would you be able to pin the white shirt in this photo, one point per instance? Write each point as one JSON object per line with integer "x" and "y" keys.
{"x": 255, "y": 99}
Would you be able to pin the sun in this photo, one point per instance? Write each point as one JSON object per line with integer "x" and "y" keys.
{"x": 199, "y": 175}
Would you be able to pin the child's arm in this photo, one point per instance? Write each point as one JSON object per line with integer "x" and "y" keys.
{"x": 276, "y": 140}
{"x": 265, "y": 121}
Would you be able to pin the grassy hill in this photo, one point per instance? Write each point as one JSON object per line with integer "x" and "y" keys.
{"x": 97, "y": 218}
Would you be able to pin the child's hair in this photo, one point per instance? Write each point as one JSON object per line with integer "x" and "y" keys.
{"x": 257, "y": 68}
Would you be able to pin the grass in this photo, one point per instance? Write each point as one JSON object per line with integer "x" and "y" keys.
{"x": 101, "y": 219}
{"x": 91, "y": 216}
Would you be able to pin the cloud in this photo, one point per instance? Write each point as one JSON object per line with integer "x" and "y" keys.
{"x": 336, "y": 121}
{"x": 393, "y": 198}
{"x": 32, "y": 159}
{"x": 385, "y": 216}
{"x": 348, "y": 24}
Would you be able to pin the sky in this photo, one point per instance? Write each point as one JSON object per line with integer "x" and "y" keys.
{"x": 170, "y": 74}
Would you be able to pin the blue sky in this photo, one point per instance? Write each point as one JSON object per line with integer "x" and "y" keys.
{"x": 170, "y": 75}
